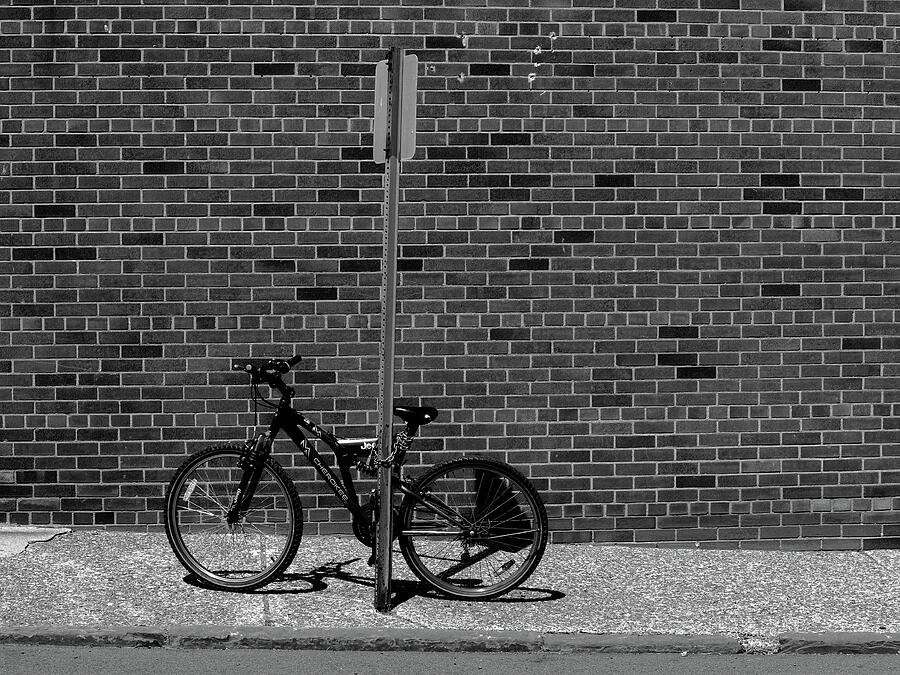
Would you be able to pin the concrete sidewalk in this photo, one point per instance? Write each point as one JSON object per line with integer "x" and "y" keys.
{"x": 96, "y": 587}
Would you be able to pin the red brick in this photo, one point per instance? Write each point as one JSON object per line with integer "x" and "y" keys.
{"x": 609, "y": 296}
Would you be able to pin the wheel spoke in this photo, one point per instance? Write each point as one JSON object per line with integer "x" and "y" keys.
{"x": 248, "y": 553}
{"x": 202, "y": 512}
{"x": 212, "y": 499}
{"x": 503, "y": 538}
{"x": 517, "y": 533}
{"x": 431, "y": 533}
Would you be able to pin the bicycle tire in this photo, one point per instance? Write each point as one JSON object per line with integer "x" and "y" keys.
{"x": 239, "y": 557}
{"x": 503, "y": 539}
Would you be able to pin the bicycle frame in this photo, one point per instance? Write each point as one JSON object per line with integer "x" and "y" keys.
{"x": 291, "y": 422}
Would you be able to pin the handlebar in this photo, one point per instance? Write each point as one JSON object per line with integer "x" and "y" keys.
{"x": 270, "y": 372}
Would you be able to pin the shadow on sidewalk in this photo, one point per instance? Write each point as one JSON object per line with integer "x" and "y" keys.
{"x": 315, "y": 581}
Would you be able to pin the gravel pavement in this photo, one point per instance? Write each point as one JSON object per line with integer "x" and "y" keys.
{"x": 97, "y": 579}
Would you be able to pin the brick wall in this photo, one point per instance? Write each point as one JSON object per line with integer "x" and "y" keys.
{"x": 649, "y": 252}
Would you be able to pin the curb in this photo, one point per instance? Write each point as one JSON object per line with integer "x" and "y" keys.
{"x": 427, "y": 640}
{"x": 413, "y": 640}
{"x": 839, "y": 643}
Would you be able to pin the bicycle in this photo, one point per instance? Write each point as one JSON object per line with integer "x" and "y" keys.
{"x": 469, "y": 527}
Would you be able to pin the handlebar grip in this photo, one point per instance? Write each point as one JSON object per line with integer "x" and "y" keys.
{"x": 272, "y": 365}
{"x": 284, "y": 367}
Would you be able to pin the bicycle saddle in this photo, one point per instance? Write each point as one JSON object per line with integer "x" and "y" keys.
{"x": 418, "y": 415}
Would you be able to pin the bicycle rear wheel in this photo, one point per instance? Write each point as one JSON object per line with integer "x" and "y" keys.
{"x": 475, "y": 530}
{"x": 241, "y": 556}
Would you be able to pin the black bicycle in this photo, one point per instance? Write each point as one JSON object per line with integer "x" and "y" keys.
{"x": 470, "y": 527}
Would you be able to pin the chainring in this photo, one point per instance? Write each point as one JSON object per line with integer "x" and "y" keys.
{"x": 364, "y": 528}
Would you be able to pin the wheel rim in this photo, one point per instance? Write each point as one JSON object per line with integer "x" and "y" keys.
{"x": 493, "y": 542}
{"x": 229, "y": 555}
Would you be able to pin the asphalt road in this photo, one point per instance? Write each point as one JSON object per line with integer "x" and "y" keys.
{"x": 18, "y": 659}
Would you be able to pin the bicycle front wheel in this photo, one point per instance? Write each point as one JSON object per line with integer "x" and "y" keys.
{"x": 240, "y": 556}
{"x": 475, "y": 528}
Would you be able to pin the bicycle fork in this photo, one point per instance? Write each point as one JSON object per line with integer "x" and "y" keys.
{"x": 252, "y": 464}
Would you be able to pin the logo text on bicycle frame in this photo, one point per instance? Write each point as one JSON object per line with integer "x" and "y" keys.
{"x": 332, "y": 481}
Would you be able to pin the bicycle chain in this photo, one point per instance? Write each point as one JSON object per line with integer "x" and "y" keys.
{"x": 402, "y": 443}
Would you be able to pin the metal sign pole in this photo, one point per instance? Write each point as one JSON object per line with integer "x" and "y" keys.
{"x": 388, "y": 321}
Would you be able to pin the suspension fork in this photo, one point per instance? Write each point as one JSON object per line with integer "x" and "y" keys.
{"x": 252, "y": 464}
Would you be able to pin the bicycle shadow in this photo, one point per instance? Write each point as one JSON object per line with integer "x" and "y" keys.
{"x": 402, "y": 590}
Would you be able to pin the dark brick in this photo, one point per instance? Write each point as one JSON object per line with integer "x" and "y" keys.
{"x": 207, "y": 252}
{"x": 783, "y": 208}
{"x": 75, "y": 253}
{"x": 142, "y": 351}
{"x": 370, "y": 265}
{"x": 861, "y": 343}
{"x": 316, "y": 293}
{"x": 695, "y": 481}
{"x": 509, "y": 195}
{"x": 798, "y": 84}
{"x": 803, "y": 5}
{"x": 274, "y": 266}
{"x": 36, "y": 253}
{"x": 780, "y": 290}
{"x": 530, "y": 180}
{"x": 719, "y": 57}
{"x": 489, "y": 69}
{"x": 695, "y": 372}
{"x": 54, "y": 210}
{"x": 529, "y": 264}
{"x": 15, "y": 491}
{"x": 112, "y": 55}
{"x": 510, "y": 334}
{"x": 573, "y": 237}
{"x": 611, "y": 401}
{"x": 613, "y": 180}
{"x": 443, "y": 42}
{"x": 75, "y": 140}
{"x": 657, "y": 15}
{"x": 780, "y": 180}
{"x": 273, "y": 210}
{"x": 782, "y": 45}
{"x": 422, "y": 251}
{"x": 338, "y": 195}
{"x": 574, "y": 70}
{"x": 510, "y": 139}
{"x": 50, "y": 13}
{"x": 842, "y": 194}
{"x": 142, "y": 239}
{"x": 262, "y": 69}
{"x": 163, "y": 167}
{"x": 36, "y": 477}
{"x": 468, "y": 139}
{"x": 635, "y": 441}
{"x": 871, "y": 46}
{"x": 679, "y": 332}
